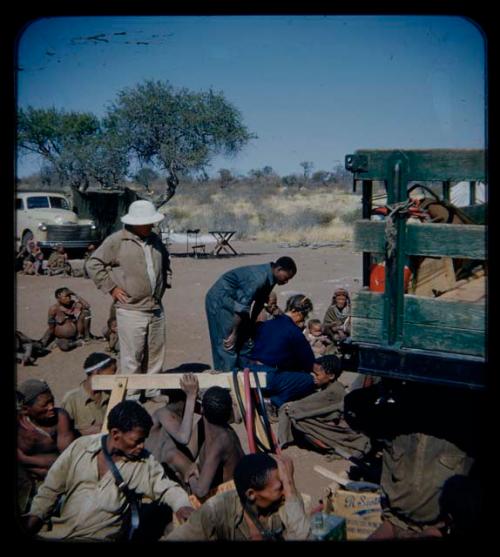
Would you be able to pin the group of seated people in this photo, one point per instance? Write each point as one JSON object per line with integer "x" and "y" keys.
{"x": 69, "y": 323}
{"x": 30, "y": 260}
{"x": 173, "y": 459}
{"x": 186, "y": 466}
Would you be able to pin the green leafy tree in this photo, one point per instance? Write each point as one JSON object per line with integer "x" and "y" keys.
{"x": 176, "y": 129}
{"x": 77, "y": 146}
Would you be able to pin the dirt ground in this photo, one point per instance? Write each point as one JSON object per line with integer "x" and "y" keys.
{"x": 320, "y": 271}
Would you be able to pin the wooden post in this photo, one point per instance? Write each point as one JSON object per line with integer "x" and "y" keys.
{"x": 117, "y": 395}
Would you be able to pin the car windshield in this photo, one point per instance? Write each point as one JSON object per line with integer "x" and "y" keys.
{"x": 58, "y": 203}
{"x": 38, "y": 202}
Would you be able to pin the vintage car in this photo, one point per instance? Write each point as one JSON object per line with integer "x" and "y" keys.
{"x": 47, "y": 218}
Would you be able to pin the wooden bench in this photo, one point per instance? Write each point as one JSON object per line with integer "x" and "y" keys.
{"x": 118, "y": 384}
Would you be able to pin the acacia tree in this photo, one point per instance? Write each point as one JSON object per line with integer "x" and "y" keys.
{"x": 75, "y": 145}
{"x": 176, "y": 130}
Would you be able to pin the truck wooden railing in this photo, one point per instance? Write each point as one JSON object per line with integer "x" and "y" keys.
{"x": 401, "y": 335}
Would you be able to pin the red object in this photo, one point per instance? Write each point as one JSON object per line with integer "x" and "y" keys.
{"x": 377, "y": 277}
{"x": 249, "y": 411}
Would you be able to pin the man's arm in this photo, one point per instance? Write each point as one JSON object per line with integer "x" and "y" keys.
{"x": 297, "y": 524}
{"x": 78, "y": 298}
{"x": 39, "y": 464}
{"x": 99, "y": 263}
{"x": 200, "y": 485}
{"x": 182, "y": 433}
{"x": 65, "y": 433}
{"x": 47, "y": 495}
{"x": 230, "y": 341}
{"x": 161, "y": 489}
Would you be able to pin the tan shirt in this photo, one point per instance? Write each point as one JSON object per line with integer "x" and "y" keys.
{"x": 221, "y": 518}
{"x": 121, "y": 261}
{"x": 95, "y": 508}
{"x": 83, "y": 409}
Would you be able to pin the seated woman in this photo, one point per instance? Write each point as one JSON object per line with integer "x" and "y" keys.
{"x": 281, "y": 349}
{"x": 337, "y": 320}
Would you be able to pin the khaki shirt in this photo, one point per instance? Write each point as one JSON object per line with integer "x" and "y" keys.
{"x": 414, "y": 469}
{"x": 83, "y": 410}
{"x": 95, "y": 508}
{"x": 121, "y": 261}
{"x": 221, "y": 518}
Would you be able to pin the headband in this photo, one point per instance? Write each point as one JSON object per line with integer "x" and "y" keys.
{"x": 99, "y": 365}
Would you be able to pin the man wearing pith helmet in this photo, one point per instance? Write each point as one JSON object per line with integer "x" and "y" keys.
{"x": 133, "y": 267}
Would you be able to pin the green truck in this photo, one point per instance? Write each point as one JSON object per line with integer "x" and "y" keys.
{"x": 395, "y": 333}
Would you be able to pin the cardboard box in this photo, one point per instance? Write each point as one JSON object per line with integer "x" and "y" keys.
{"x": 362, "y": 511}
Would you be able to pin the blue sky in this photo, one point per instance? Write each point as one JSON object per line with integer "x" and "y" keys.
{"x": 313, "y": 88}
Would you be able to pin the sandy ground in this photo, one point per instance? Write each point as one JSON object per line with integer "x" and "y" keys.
{"x": 320, "y": 271}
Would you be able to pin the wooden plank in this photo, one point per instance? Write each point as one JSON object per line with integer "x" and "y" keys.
{"x": 436, "y": 312}
{"x": 429, "y": 164}
{"x": 477, "y": 213}
{"x": 369, "y": 236}
{"x": 366, "y": 330}
{"x": 458, "y": 341}
{"x": 466, "y": 241}
{"x": 167, "y": 380}
{"x": 331, "y": 475}
{"x": 118, "y": 392}
{"x": 368, "y": 304}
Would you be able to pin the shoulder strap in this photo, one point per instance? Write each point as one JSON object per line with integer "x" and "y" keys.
{"x": 120, "y": 482}
{"x": 268, "y": 535}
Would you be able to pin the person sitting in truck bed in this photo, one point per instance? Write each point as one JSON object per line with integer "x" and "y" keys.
{"x": 57, "y": 263}
{"x": 69, "y": 321}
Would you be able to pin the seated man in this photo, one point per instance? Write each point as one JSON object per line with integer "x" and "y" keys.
{"x": 69, "y": 321}
{"x": 173, "y": 440}
{"x": 87, "y": 408}
{"x": 95, "y": 508}
{"x": 264, "y": 506}
{"x": 318, "y": 418}
{"x": 43, "y": 432}
{"x": 28, "y": 349}
{"x": 221, "y": 450}
{"x": 57, "y": 263}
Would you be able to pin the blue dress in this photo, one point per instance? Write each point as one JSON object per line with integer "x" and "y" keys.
{"x": 234, "y": 292}
{"x": 287, "y": 357}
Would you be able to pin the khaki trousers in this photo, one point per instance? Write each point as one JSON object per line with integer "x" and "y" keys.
{"x": 142, "y": 344}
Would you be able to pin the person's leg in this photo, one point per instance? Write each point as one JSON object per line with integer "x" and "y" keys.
{"x": 284, "y": 386}
{"x": 132, "y": 329}
{"x": 66, "y": 344}
{"x": 220, "y": 322}
{"x": 154, "y": 352}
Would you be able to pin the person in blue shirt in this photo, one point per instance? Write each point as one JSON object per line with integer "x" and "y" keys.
{"x": 230, "y": 314}
{"x": 282, "y": 350}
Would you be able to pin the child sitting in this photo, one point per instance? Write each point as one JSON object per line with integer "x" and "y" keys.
{"x": 318, "y": 419}
{"x": 317, "y": 339}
